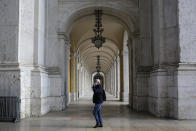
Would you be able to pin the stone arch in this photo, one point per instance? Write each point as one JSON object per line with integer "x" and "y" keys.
{"x": 129, "y": 20}
{"x": 102, "y": 75}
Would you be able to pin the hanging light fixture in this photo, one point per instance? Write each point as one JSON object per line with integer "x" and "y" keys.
{"x": 98, "y": 67}
{"x": 98, "y": 39}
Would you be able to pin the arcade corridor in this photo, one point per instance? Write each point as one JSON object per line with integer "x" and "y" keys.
{"x": 143, "y": 52}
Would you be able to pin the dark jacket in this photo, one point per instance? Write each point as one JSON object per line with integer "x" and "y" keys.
{"x": 99, "y": 94}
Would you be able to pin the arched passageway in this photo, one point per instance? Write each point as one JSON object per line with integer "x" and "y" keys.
{"x": 146, "y": 60}
{"x": 100, "y": 76}
{"x": 113, "y": 54}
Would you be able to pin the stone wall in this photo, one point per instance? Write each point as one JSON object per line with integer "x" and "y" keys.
{"x": 9, "y": 70}
{"x": 186, "y": 73}
{"x": 161, "y": 53}
{"x": 9, "y": 31}
{"x": 187, "y": 25}
{"x": 162, "y": 87}
{"x": 9, "y": 82}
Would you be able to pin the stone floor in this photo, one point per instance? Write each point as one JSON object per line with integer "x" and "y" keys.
{"x": 116, "y": 116}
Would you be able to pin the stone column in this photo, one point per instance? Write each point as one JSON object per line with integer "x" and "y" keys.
{"x": 125, "y": 76}
{"x": 31, "y": 48}
{"x": 158, "y": 84}
{"x": 26, "y": 24}
{"x": 59, "y": 75}
{"x": 109, "y": 81}
{"x": 73, "y": 76}
{"x": 118, "y": 77}
{"x": 165, "y": 56}
{"x": 115, "y": 80}
{"x": 112, "y": 80}
{"x": 83, "y": 80}
{"x": 80, "y": 79}
{"x": 142, "y": 45}
{"x": 67, "y": 70}
{"x": 139, "y": 74}
{"x": 131, "y": 71}
{"x": 83, "y": 76}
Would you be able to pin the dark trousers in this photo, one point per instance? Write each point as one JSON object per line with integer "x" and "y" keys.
{"x": 97, "y": 114}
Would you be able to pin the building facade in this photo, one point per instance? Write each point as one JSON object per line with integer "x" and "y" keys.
{"x": 47, "y": 58}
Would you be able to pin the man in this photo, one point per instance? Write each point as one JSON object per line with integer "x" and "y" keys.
{"x": 98, "y": 98}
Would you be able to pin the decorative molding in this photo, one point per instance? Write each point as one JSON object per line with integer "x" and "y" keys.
{"x": 9, "y": 64}
{"x": 145, "y": 69}
{"x": 62, "y": 35}
{"x": 165, "y": 66}
{"x": 9, "y": 67}
{"x": 187, "y": 67}
{"x": 136, "y": 35}
{"x": 128, "y": 4}
{"x": 53, "y": 70}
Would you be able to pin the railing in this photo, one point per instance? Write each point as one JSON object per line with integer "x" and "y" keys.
{"x": 9, "y": 108}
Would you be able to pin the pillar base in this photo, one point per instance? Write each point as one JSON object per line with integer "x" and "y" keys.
{"x": 158, "y": 100}
{"x": 185, "y": 104}
{"x": 140, "y": 91}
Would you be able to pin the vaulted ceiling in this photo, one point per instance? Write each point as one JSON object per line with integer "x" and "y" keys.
{"x": 81, "y": 35}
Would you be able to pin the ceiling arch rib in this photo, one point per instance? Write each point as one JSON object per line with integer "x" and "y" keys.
{"x": 112, "y": 44}
{"x": 107, "y": 45}
{"x": 91, "y": 68}
{"x": 100, "y": 50}
{"x": 97, "y": 50}
{"x": 102, "y": 59}
{"x": 101, "y": 53}
{"x": 114, "y": 53}
{"x": 94, "y": 62}
{"x": 94, "y": 58}
{"x": 94, "y": 70}
{"x": 94, "y": 55}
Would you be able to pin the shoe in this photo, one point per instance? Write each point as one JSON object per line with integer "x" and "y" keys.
{"x": 95, "y": 126}
{"x": 101, "y": 126}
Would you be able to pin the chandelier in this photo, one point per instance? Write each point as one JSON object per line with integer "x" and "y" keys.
{"x": 98, "y": 67}
{"x": 98, "y": 39}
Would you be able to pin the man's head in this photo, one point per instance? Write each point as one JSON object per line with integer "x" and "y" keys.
{"x": 97, "y": 81}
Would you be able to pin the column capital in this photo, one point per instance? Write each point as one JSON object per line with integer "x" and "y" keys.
{"x": 118, "y": 58}
{"x": 136, "y": 35}
{"x": 62, "y": 35}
